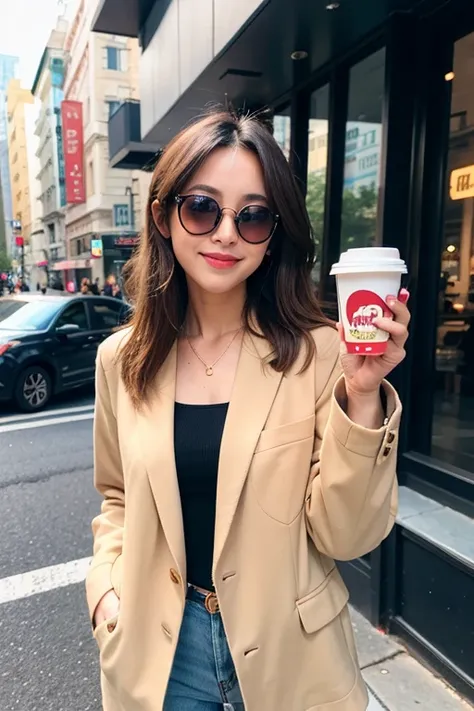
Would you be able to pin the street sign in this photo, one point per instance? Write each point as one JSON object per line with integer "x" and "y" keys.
{"x": 461, "y": 184}
{"x": 16, "y": 225}
{"x": 19, "y": 241}
{"x": 96, "y": 248}
{"x": 127, "y": 241}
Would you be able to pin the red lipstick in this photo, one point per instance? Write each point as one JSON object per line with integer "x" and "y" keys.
{"x": 219, "y": 260}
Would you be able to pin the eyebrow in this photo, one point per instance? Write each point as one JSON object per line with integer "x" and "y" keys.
{"x": 217, "y": 193}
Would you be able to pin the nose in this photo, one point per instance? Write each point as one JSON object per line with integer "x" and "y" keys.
{"x": 226, "y": 231}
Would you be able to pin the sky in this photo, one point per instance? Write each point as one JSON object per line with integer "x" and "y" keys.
{"x": 25, "y": 27}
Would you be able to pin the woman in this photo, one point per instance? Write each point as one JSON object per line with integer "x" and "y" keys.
{"x": 109, "y": 285}
{"x": 236, "y": 459}
{"x": 85, "y": 286}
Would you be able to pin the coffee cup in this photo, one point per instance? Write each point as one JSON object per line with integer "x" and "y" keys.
{"x": 364, "y": 278}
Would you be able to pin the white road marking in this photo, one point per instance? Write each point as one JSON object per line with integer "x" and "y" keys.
{"x": 46, "y": 413}
{"x": 43, "y": 580}
{"x": 45, "y": 423}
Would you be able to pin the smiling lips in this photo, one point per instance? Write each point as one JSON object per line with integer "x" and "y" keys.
{"x": 220, "y": 261}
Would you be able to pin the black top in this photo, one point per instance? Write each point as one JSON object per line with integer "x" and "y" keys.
{"x": 197, "y": 441}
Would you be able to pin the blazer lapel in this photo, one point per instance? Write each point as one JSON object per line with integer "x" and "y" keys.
{"x": 156, "y": 427}
{"x": 254, "y": 390}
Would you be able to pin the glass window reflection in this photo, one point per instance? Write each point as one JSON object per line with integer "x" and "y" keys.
{"x": 282, "y": 131}
{"x": 363, "y": 153}
{"x": 453, "y": 419}
{"x": 317, "y": 167}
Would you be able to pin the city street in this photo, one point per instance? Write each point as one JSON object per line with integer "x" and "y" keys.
{"x": 48, "y": 657}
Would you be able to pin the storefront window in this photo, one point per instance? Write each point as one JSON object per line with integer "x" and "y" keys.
{"x": 453, "y": 423}
{"x": 317, "y": 165}
{"x": 282, "y": 130}
{"x": 363, "y": 151}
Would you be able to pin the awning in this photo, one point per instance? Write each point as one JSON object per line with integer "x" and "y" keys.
{"x": 71, "y": 264}
{"x": 44, "y": 263}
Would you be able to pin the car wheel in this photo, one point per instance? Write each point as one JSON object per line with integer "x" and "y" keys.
{"x": 33, "y": 389}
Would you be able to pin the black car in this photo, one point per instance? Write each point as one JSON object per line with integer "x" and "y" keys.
{"x": 48, "y": 344}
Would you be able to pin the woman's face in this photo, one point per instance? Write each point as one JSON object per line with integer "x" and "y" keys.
{"x": 221, "y": 261}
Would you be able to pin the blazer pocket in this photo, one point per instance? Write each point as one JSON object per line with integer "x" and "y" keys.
{"x": 280, "y": 467}
{"x": 324, "y": 604}
{"x": 116, "y": 575}
{"x": 286, "y": 434}
{"x": 105, "y": 630}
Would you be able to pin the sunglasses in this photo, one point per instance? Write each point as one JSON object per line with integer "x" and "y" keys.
{"x": 200, "y": 215}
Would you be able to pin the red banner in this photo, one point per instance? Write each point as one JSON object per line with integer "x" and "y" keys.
{"x": 73, "y": 146}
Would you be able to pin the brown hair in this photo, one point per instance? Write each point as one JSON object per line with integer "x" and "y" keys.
{"x": 280, "y": 294}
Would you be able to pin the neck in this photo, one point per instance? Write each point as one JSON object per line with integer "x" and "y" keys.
{"x": 214, "y": 315}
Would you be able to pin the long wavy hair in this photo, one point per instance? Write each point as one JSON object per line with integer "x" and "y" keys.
{"x": 281, "y": 303}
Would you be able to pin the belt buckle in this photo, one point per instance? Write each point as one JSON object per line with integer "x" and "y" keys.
{"x": 211, "y": 603}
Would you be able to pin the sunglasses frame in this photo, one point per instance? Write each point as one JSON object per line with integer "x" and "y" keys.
{"x": 180, "y": 200}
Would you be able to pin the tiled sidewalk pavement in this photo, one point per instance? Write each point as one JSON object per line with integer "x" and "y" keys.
{"x": 397, "y": 681}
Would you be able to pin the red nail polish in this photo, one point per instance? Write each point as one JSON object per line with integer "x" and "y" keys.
{"x": 404, "y": 295}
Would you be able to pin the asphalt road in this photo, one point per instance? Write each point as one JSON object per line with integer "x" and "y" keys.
{"x": 48, "y": 658}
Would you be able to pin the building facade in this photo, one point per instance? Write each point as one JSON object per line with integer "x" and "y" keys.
{"x": 373, "y": 106}
{"x": 20, "y": 107}
{"x": 101, "y": 73}
{"x": 35, "y": 255}
{"x": 50, "y": 179}
{"x": 8, "y": 71}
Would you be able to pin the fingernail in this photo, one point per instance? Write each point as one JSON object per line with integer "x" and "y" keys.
{"x": 391, "y": 299}
{"x": 404, "y": 295}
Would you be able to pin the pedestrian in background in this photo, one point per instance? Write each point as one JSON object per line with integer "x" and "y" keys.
{"x": 95, "y": 289}
{"x": 238, "y": 455}
{"x": 109, "y": 285}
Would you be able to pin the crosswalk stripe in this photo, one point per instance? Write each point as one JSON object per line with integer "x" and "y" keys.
{"x": 46, "y": 413}
{"x": 18, "y": 426}
{"x": 43, "y": 580}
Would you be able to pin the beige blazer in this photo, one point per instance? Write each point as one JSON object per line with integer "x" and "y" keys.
{"x": 299, "y": 485}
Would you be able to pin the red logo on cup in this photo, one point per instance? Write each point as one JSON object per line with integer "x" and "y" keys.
{"x": 361, "y": 310}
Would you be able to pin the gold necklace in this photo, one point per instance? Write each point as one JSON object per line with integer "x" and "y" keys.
{"x": 210, "y": 368}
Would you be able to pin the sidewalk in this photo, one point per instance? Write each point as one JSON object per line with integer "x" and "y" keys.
{"x": 396, "y": 680}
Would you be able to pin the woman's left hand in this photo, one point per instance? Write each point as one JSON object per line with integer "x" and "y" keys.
{"x": 364, "y": 374}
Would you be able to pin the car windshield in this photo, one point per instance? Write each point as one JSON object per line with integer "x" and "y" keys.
{"x": 17, "y": 315}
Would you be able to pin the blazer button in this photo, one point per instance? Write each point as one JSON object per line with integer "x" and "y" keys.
{"x": 111, "y": 626}
{"x": 175, "y": 576}
{"x": 391, "y": 437}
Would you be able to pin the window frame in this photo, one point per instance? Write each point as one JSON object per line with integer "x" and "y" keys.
{"x": 418, "y": 468}
{"x": 109, "y": 49}
{"x": 70, "y": 304}
{"x": 117, "y": 103}
{"x": 109, "y": 303}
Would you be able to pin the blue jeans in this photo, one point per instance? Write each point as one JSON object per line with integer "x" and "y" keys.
{"x": 203, "y": 675}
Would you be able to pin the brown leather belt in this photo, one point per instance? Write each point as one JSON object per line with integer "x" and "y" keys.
{"x": 210, "y": 601}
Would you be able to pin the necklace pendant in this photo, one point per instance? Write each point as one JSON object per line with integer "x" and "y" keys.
{"x": 209, "y": 371}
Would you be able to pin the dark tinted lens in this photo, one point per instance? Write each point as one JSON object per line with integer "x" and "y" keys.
{"x": 256, "y": 223}
{"x": 199, "y": 214}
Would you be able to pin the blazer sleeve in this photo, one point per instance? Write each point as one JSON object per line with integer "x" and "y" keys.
{"x": 107, "y": 527}
{"x": 352, "y": 496}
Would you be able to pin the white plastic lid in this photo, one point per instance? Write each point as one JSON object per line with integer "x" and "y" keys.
{"x": 369, "y": 259}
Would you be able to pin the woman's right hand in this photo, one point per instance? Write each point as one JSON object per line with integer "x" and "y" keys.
{"x": 107, "y": 609}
